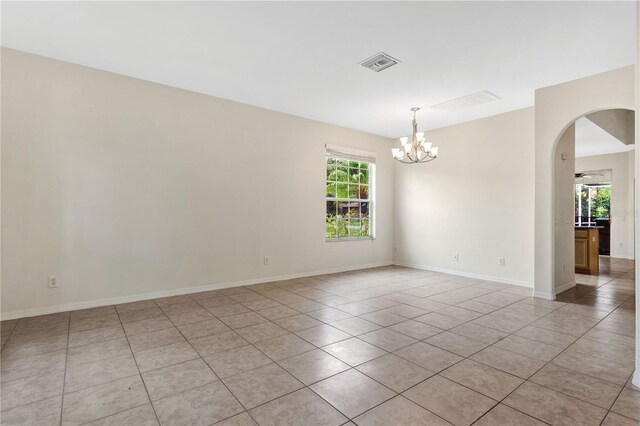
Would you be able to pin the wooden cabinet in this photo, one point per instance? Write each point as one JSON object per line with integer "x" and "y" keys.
{"x": 587, "y": 241}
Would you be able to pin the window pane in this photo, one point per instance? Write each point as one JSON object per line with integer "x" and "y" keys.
{"x": 342, "y": 228}
{"x": 365, "y": 228}
{"x": 342, "y": 174}
{"x": 577, "y": 204}
{"x": 331, "y": 208}
{"x": 331, "y": 189}
{"x": 354, "y": 175}
{"x": 331, "y": 168}
{"x": 353, "y": 191}
{"x": 331, "y": 228}
{"x": 601, "y": 202}
{"x": 342, "y": 190}
{"x": 363, "y": 192}
{"x": 354, "y": 210}
{"x": 584, "y": 196}
{"x": 364, "y": 174}
{"x": 354, "y": 228}
{"x": 343, "y": 208}
{"x": 364, "y": 209}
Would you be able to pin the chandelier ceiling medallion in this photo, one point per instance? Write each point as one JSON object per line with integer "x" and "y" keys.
{"x": 416, "y": 150}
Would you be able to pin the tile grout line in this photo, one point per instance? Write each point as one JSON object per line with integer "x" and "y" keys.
{"x": 64, "y": 376}
{"x": 113, "y": 414}
{"x": 382, "y": 327}
{"x": 613, "y": 403}
{"x": 623, "y": 387}
{"x": 457, "y": 362}
{"x": 528, "y": 379}
{"x": 549, "y": 362}
{"x": 214, "y": 373}
{"x": 11, "y": 334}
{"x": 355, "y": 367}
{"x": 135, "y": 361}
{"x": 305, "y": 386}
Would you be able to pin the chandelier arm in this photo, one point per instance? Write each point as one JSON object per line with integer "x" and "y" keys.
{"x": 416, "y": 149}
{"x": 427, "y": 159}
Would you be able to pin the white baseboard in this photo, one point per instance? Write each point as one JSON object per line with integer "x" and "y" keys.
{"x": 552, "y": 296}
{"x": 176, "y": 292}
{"x": 622, "y": 256}
{"x": 466, "y": 274}
{"x": 635, "y": 379}
{"x": 564, "y": 287}
{"x": 544, "y": 295}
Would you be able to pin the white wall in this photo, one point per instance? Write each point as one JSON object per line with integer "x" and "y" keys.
{"x": 564, "y": 213}
{"x": 122, "y": 187}
{"x": 622, "y": 175}
{"x": 476, "y": 200}
{"x": 556, "y": 108}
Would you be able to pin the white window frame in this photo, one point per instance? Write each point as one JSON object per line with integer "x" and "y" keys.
{"x": 349, "y": 154}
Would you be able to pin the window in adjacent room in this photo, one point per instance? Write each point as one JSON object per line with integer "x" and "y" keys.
{"x": 349, "y": 196}
{"x": 593, "y": 203}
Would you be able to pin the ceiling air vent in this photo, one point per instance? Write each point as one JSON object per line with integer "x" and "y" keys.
{"x": 468, "y": 101}
{"x": 379, "y": 61}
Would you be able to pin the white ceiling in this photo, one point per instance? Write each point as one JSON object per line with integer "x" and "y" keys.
{"x": 302, "y": 57}
{"x": 592, "y": 140}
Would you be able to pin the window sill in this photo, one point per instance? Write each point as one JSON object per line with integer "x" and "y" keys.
{"x": 343, "y": 239}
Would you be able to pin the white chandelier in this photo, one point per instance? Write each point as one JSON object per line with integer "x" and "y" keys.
{"x": 416, "y": 151}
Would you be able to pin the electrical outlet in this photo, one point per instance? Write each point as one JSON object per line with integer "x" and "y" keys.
{"x": 456, "y": 257}
{"x": 502, "y": 261}
{"x": 54, "y": 282}
{"x": 267, "y": 260}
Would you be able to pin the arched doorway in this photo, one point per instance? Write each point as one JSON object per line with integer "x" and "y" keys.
{"x": 618, "y": 122}
{"x": 556, "y": 109}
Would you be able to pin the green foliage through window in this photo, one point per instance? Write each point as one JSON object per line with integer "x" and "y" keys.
{"x": 592, "y": 201}
{"x": 348, "y": 198}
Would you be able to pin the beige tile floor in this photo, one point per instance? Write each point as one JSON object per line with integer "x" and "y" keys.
{"x": 383, "y": 346}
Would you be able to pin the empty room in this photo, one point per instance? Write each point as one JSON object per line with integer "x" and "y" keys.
{"x": 319, "y": 213}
